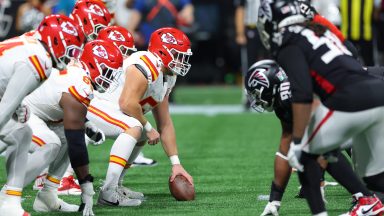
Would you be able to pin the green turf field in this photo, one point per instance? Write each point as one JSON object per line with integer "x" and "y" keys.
{"x": 231, "y": 160}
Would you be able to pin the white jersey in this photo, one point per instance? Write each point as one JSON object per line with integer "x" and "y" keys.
{"x": 23, "y": 49}
{"x": 159, "y": 85}
{"x": 44, "y": 101}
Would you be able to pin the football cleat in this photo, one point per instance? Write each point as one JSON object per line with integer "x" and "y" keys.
{"x": 68, "y": 186}
{"x": 39, "y": 182}
{"x": 14, "y": 209}
{"x": 365, "y": 206}
{"x": 113, "y": 197}
{"x": 143, "y": 161}
{"x": 48, "y": 201}
{"x": 272, "y": 208}
{"x": 127, "y": 192}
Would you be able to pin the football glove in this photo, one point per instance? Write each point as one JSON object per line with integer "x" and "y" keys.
{"x": 272, "y": 208}
{"x": 22, "y": 113}
{"x": 294, "y": 155}
{"x": 87, "y": 193}
{"x": 93, "y": 135}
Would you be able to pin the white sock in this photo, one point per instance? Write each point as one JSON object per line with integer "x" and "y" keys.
{"x": 120, "y": 152}
{"x": 12, "y": 194}
{"x": 51, "y": 183}
{"x": 321, "y": 214}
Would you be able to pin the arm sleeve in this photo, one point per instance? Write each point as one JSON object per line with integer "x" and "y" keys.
{"x": 293, "y": 61}
{"x": 20, "y": 85}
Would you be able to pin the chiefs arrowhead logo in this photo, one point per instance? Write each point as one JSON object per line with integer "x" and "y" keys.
{"x": 168, "y": 38}
{"x": 68, "y": 28}
{"x": 258, "y": 78}
{"x": 116, "y": 36}
{"x": 95, "y": 9}
{"x": 100, "y": 51}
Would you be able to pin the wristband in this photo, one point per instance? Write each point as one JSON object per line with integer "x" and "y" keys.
{"x": 174, "y": 159}
{"x": 147, "y": 126}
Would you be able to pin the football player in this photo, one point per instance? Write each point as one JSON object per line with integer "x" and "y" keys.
{"x": 351, "y": 106}
{"x": 59, "y": 109}
{"x": 123, "y": 39}
{"x": 268, "y": 89}
{"x": 27, "y": 61}
{"x": 148, "y": 78}
{"x": 92, "y": 16}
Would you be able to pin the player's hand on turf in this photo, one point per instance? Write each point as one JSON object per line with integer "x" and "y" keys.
{"x": 93, "y": 135}
{"x": 153, "y": 137}
{"x": 87, "y": 193}
{"x": 294, "y": 155}
{"x": 22, "y": 113}
{"x": 177, "y": 169}
{"x": 272, "y": 208}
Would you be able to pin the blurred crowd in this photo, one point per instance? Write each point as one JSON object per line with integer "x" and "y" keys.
{"x": 223, "y": 32}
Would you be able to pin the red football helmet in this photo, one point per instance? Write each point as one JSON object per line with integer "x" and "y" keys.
{"x": 173, "y": 47}
{"x": 119, "y": 36}
{"x": 104, "y": 62}
{"x": 92, "y": 16}
{"x": 62, "y": 36}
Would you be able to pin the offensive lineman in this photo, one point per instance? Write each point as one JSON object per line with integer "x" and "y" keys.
{"x": 148, "y": 78}
{"x": 27, "y": 61}
{"x": 351, "y": 106}
{"x": 59, "y": 109}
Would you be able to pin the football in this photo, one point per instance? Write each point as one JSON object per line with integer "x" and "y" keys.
{"x": 181, "y": 189}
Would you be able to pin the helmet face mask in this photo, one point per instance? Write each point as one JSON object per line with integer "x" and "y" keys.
{"x": 103, "y": 61}
{"x": 180, "y": 62}
{"x": 62, "y": 37}
{"x": 107, "y": 81}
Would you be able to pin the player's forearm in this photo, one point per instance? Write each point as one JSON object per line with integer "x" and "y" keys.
{"x": 301, "y": 116}
{"x": 168, "y": 139}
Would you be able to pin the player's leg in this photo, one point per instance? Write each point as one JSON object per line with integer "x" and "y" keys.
{"x": 128, "y": 130}
{"x": 282, "y": 173}
{"x": 127, "y": 191}
{"x": 18, "y": 137}
{"x": 47, "y": 199}
{"x": 46, "y": 145}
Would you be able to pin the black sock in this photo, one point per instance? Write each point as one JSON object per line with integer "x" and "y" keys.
{"x": 276, "y": 193}
{"x": 310, "y": 182}
{"x": 376, "y": 182}
{"x": 342, "y": 172}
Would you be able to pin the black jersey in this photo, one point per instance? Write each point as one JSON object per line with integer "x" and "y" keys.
{"x": 282, "y": 104}
{"x": 324, "y": 66}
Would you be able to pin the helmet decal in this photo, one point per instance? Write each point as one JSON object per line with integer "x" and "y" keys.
{"x": 168, "y": 38}
{"x": 116, "y": 36}
{"x": 100, "y": 51}
{"x": 95, "y": 9}
{"x": 258, "y": 78}
{"x": 69, "y": 28}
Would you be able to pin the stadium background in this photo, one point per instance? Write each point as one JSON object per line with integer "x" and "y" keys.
{"x": 229, "y": 152}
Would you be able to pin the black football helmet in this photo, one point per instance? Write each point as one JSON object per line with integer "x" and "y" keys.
{"x": 274, "y": 15}
{"x": 262, "y": 83}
